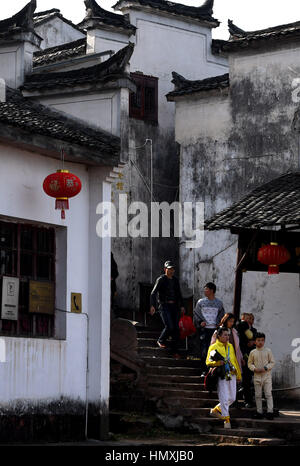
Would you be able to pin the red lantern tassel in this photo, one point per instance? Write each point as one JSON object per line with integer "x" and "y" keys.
{"x": 273, "y": 270}
{"x": 62, "y": 204}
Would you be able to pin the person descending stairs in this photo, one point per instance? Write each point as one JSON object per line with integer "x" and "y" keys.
{"x": 178, "y": 388}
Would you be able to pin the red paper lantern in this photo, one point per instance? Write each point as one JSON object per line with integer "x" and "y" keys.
{"x": 62, "y": 185}
{"x": 273, "y": 255}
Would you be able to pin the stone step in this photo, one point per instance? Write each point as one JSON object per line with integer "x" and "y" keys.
{"x": 279, "y": 424}
{"x": 176, "y": 381}
{"x": 171, "y": 392}
{"x": 205, "y": 401}
{"x": 170, "y": 362}
{"x": 180, "y": 371}
{"x": 147, "y": 342}
{"x": 212, "y": 429}
{"x": 242, "y": 432}
{"x": 189, "y": 403}
{"x": 227, "y": 438}
{"x": 270, "y": 442}
{"x": 142, "y": 328}
{"x": 177, "y": 408}
{"x": 159, "y": 352}
{"x": 152, "y": 343}
{"x": 279, "y": 428}
{"x": 207, "y": 422}
{"x": 126, "y": 422}
{"x": 149, "y": 334}
{"x": 211, "y": 423}
{"x": 157, "y": 329}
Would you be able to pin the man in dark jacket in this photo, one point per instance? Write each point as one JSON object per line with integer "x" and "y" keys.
{"x": 114, "y": 273}
{"x": 167, "y": 293}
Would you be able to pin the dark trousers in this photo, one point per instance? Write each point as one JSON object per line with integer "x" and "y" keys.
{"x": 195, "y": 342}
{"x": 246, "y": 384}
{"x": 208, "y": 333}
{"x": 170, "y": 316}
{"x": 200, "y": 344}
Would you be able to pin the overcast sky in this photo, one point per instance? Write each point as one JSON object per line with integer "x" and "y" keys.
{"x": 247, "y": 14}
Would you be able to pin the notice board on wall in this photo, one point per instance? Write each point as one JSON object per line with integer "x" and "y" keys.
{"x": 10, "y": 298}
{"x": 41, "y": 297}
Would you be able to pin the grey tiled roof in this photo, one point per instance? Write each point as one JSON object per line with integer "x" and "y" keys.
{"x": 113, "y": 68}
{"x": 38, "y": 119}
{"x": 42, "y": 17}
{"x": 274, "y": 203}
{"x": 101, "y": 16}
{"x": 27, "y": 20}
{"x": 203, "y": 13}
{"x": 240, "y": 39}
{"x": 185, "y": 86}
{"x": 21, "y": 21}
{"x": 218, "y": 45}
{"x": 76, "y": 48}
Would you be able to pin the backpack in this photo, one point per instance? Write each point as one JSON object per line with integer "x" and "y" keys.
{"x": 211, "y": 379}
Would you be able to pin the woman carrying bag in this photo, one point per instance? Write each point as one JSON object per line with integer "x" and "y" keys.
{"x": 221, "y": 354}
{"x": 228, "y": 321}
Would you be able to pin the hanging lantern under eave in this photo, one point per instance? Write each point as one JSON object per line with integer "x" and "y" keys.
{"x": 62, "y": 185}
{"x": 273, "y": 255}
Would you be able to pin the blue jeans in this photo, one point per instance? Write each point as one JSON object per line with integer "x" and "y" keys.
{"x": 170, "y": 316}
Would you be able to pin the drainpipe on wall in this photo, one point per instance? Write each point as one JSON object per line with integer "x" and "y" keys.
{"x": 86, "y": 377}
{"x": 2, "y": 90}
{"x": 151, "y": 200}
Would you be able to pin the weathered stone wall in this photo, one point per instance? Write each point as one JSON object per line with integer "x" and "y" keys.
{"x": 230, "y": 144}
{"x": 133, "y": 255}
{"x": 161, "y": 45}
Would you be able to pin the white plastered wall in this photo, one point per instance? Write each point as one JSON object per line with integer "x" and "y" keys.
{"x": 39, "y": 369}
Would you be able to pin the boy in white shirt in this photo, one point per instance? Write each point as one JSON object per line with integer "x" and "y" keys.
{"x": 261, "y": 362}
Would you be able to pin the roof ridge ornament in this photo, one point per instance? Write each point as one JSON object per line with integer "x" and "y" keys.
{"x": 119, "y": 60}
{"x": 178, "y": 80}
{"x": 23, "y": 19}
{"x": 207, "y": 7}
{"x": 95, "y": 13}
{"x": 46, "y": 12}
{"x": 185, "y": 86}
{"x": 235, "y": 31}
{"x": 94, "y": 10}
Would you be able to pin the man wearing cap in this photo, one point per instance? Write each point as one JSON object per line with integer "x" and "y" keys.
{"x": 168, "y": 294}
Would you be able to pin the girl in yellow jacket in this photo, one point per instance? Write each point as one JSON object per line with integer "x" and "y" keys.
{"x": 227, "y": 386}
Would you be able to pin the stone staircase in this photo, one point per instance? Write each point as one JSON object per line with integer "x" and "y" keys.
{"x": 174, "y": 390}
{"x": 178, "y": 390}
